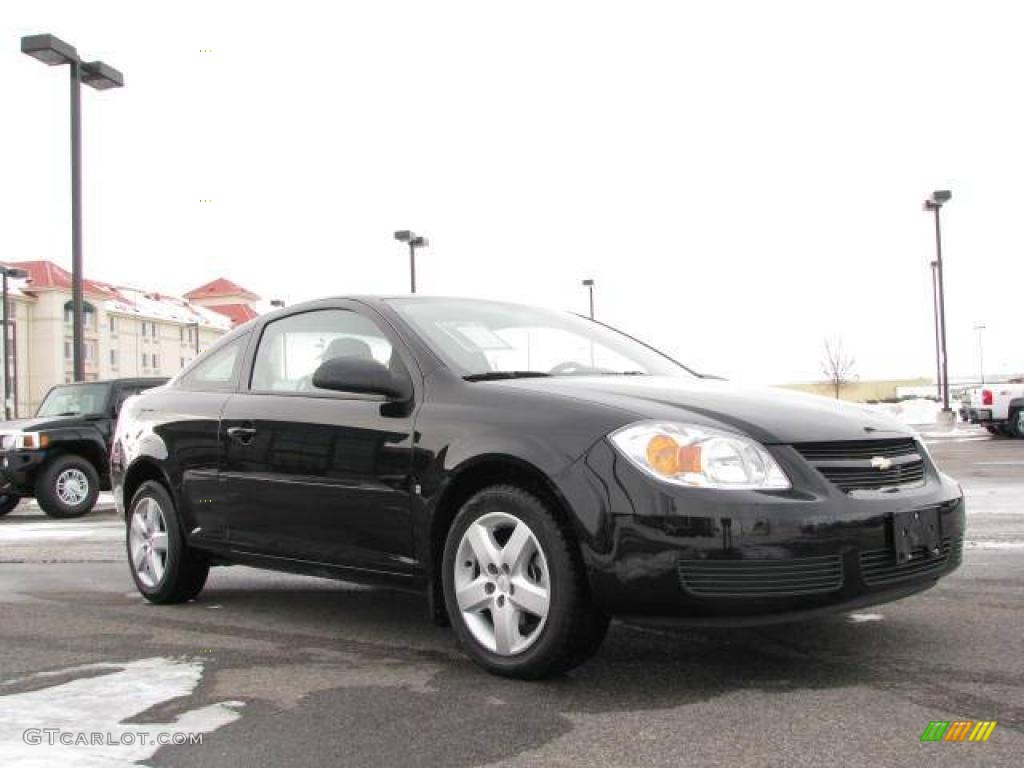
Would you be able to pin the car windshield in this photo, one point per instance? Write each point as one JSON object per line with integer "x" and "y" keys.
{"x": 485, "y": 339}
{"x": 76, "y": 400}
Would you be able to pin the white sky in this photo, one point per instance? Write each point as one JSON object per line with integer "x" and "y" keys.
{"x": 741, "y": 179}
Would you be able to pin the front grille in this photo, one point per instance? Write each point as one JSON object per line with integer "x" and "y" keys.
{"x": 761, "y": 578}
{"x": 870, "y": 465}
{"x": 879, "y": 567}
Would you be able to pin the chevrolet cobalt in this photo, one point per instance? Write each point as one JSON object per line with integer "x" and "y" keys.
{"x": 532, "y": 472}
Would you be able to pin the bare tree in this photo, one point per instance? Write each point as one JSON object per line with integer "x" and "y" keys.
{"x": 837, "y": 365}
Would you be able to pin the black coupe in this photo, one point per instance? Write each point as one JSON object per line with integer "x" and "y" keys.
{"x": 533, "y": 472}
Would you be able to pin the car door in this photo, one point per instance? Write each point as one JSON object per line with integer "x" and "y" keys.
{"x": 317, "y": 475}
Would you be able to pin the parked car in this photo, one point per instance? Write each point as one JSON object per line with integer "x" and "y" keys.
{"x": 998, "y": 407}
{"x": 60, "y": 455}
{"x": 533, "y": 472}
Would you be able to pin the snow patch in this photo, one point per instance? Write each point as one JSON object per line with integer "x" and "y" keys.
{"x": 860, "y": 618}
{"x": 101, "y": 704}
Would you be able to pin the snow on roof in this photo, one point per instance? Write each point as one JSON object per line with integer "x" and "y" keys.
{"x": 133, "y": 301}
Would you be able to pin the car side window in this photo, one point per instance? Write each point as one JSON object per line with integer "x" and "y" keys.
{"x": 218, "y": 369}
{"x": 293, "y": 347}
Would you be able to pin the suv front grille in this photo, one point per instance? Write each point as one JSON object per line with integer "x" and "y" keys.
{"x": 872, "y": 465}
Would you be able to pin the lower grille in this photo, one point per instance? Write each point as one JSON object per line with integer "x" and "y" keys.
{"x": 879, "y": 567}
{"x": 761, "y": 578}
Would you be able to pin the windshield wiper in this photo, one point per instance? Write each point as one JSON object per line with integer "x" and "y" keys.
{"x": 497, "y": 375}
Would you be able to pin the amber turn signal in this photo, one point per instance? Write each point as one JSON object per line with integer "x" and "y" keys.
{"x": 669, "y": 458}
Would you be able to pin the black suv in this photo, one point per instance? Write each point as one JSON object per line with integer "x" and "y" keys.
{"x": 60, "y": 455}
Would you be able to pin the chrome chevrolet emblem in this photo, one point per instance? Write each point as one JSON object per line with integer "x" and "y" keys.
{"x": 881, "y": 463}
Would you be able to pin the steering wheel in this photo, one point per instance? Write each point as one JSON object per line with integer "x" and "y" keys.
{"x": 569, "y": 366}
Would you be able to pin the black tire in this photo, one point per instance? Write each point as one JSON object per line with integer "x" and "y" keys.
{"x": 8, "y": 503}
{"x": 992, "y": 430}
{"x": 573, "y": 629}
{"x": 185, "y": 569}
{"x": 47, "y": 481}
{"x": 1015, "y": 425}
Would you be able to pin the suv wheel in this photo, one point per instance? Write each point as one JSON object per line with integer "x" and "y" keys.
{"x": 165, "y": 569}
{"x": 67, "y": 486}
{"x": 8, "y": 503}
{"x": 515, "y": 589}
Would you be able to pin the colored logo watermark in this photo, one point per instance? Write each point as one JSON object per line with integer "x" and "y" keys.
{"x": 958, "y": 730}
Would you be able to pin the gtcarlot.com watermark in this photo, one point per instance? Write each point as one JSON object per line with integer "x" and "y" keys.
{"x": 58, "y": 736}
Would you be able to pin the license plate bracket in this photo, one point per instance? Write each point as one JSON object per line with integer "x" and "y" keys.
{"x": 916, "y": 530}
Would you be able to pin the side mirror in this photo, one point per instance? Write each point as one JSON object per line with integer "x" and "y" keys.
{"x": 362, "y": 376}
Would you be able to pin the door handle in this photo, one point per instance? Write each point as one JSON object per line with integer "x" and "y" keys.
{"x": 242, "y": 435}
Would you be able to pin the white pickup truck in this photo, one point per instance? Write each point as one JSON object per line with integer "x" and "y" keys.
{"x": 997, "y": 407}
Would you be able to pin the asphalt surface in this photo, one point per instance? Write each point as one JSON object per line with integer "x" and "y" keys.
{"x": 278, "y": 670}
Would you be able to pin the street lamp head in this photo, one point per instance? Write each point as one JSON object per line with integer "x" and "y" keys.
{"x": 49, "y": 49}
{"x": 101, "y": 76}
{"x": 941, "y": 196}
{"x": 588, "y": 283}
{"x": 403, "y": 235}
{"x": 419, "y": 242}
{"x": 15, "y": 272}
{"x": 277, "y": 303}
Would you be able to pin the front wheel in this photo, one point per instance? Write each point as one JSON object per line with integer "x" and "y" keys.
{"x": 67, "y": 486}
{"x": 165, "y": 569}
{"x": 8, "y": 503}
{"x": 515, "y": 589}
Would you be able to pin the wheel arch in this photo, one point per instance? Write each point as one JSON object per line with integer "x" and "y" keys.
{"x": 142, "y": 470}
{"x": 472, "y": 476}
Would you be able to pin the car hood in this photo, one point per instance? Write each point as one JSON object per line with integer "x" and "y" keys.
{"x": 767, "y": 415}
{"x": 40, "y": 423}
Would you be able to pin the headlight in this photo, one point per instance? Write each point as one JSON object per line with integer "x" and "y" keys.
{"x": 697, "y": 456}
{"x": 30, "y": 440}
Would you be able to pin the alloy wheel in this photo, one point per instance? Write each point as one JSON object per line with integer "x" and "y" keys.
{"x": 72, "y": 487}
{"x": 502, "y": 583}
{"x": 147, "y": 542}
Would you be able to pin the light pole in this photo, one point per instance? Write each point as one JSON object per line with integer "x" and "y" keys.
{"x": 981, "y": 353}
{"x": 53, "y": 51}
{"x": 415, "y": 241}
{"x": 17, "y": 273}
{"x": 938, "y": 354}
{"x": 589, "y": 285}
{"x": 934, "y": 203}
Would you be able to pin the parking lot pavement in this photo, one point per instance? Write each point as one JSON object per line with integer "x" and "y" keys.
{"x": 277, "y": 670}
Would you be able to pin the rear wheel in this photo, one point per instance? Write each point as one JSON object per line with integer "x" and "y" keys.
{"x": 8, "y": 503}
{"x": 1016, "y": 424}
{"x": 67, "y": 486}
{"x": 165, "y": 569}
{"x": 515, "y": 589}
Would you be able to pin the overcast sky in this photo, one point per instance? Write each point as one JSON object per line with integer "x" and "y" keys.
{"x": 741, "y": 179}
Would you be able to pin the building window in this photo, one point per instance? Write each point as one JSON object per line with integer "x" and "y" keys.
{"x": 113, "y": 323}
{"x": 145, "y": 360}
{"x": 90, "y": 351}
{"x": 113, "y": 358}
{"x": 190, "y": 337}
{"x": 144, "y": 328}
{"x": 156, "y": 361}
{"x": 67, "y": 350}
{"x": 182, "y": 363}
{"x": 153, "y": 329}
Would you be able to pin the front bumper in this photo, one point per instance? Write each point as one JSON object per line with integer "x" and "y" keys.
{"x": 17, "y": 471}
{"x": 744, "y": 557}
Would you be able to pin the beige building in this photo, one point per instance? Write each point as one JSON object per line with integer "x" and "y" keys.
{"x": 128, "y": 331}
